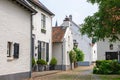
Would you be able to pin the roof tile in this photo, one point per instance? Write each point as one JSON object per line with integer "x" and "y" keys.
{"x": 57, "y": 34}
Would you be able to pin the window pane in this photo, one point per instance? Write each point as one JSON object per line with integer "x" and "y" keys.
{"x": 43, "y": 21}
{"x": 39, "y": 49}
{"x": 47, "y": 52}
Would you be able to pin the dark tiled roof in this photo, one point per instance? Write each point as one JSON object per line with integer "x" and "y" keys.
{"x": 23, "y": 3}
{"x": 57, "y": 34}
{"x": 40, "y": 5}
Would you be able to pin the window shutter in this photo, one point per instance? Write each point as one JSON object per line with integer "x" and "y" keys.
{"x": 47, "y": 52}
{"x": 16, "y": 50}
{"x": 39, "y": 49}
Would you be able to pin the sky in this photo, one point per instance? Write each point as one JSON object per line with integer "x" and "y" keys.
{"x": 79, "y": 9}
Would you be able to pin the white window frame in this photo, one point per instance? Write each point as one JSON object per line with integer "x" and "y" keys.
{"x": 43, "y": 21}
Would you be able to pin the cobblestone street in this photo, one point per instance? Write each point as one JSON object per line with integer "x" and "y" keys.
{"x": 80, "y": 73}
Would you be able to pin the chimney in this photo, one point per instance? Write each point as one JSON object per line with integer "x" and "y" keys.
{"x": 66, "y": 19}
{"x": 70, "y": 17}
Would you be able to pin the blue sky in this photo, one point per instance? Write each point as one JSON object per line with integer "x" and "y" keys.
{"x": 79, "y": 9}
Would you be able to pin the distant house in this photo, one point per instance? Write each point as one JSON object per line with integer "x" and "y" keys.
{"x": 82, "y": 42}
{"x": 62, "y": 44}
{"x": 15, "y": 39}
{"x": 108, "y": 50}
{"x": 41, "y": 31}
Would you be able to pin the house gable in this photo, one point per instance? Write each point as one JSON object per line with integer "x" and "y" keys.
{"x": 41, "y": 6}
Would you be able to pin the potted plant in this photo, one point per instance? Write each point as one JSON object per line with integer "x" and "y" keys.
{"x": 53, "y": 63}
{"x": 41, "y": 63}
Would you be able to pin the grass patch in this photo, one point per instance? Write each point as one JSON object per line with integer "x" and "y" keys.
{"x": 109, "y": 77}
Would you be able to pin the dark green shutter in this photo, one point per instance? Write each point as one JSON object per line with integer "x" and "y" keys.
{"x": 39, "y": 50}
{"x": 47, "y": 52}
{"x": 16, "y": 50}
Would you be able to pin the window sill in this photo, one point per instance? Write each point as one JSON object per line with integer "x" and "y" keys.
{"x": 10, "y": 59}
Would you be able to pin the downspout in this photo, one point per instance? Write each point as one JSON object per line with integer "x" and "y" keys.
{"x": 63, "y": 49}
{"x": 62, "y": 58}
{"x": 31, "y": 21}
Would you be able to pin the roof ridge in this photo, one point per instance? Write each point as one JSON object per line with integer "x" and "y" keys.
{"x": 42, "y": 6}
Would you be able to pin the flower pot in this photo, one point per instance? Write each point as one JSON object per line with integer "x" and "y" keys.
{"x": 52, "y": 67}
{"x": 40, "y": 67}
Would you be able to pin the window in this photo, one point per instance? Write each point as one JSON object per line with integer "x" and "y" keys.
{"x": 111, "y": 46}
{"x": 16, "y": 50}
{"x": 43, "y": 50}
{"x": 12, "y": 50}
{"x": 43, "y": 21}
{"x": 9, "y": 49}
{"x": 39, "y": 50}
{"x": 47, "y": 52}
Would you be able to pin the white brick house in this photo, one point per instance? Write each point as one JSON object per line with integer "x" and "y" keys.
{"x": 62, "y": 45}
{"x": 15, "y": 39}
{"x": 41, "y": 31}
{"x": 108, "y": 50}
{"x": 83, "y": 41}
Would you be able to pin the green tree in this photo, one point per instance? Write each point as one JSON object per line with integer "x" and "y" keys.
{"x": 72, "y": 56}
{"x": 105, "y": 23}
{"x": 79, "y": 54}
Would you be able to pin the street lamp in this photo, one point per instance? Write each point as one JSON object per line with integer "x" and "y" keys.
{"x": 75, "y": 43}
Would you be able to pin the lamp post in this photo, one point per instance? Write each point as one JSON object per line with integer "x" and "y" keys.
{"x": 75, "y": 43}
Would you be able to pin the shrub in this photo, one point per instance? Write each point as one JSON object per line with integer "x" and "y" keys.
{"x": 99, "y": 62}
{"x": 41, "y": 62}
{"x": 33, "y": 62}
{"x": 53, "y": 61}
{"x": 72, "y": 56}
{"x": 107, "y": 67}
{"x": 79, "y": 54}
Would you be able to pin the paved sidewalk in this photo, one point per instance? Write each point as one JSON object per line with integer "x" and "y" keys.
{"x": 80, "y": 73}
{"x": 44, "y": 73}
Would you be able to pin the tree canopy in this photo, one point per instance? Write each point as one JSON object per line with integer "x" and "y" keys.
{"x": 79, "y": 54}
{"x": 105, "y": 23}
